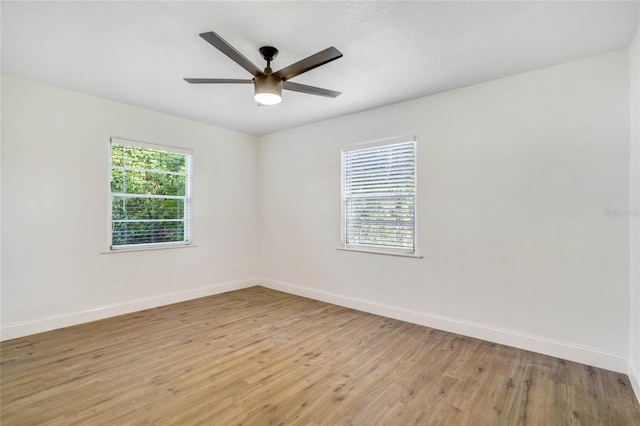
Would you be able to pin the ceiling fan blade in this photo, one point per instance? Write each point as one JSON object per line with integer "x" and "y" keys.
{"x": 219, "y": 43}
{"x": 215, "y": 80}
{"x": 313, "y": 61}
{"x": 303, "y": 88}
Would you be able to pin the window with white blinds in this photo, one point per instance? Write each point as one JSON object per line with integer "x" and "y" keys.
{"x": 379, "y": 195}
{"x": 150, "y": 194}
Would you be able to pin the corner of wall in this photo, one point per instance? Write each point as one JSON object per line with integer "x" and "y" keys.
{"x": 633, "y": 369}
{"x": 634, "y": 378}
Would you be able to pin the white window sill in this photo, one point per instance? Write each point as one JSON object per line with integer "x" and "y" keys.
{"x": 385, "y": 253}
{"x": 147, "y": 248}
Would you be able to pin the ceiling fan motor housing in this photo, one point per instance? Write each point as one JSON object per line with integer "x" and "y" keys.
{"x": 268, "y": 89}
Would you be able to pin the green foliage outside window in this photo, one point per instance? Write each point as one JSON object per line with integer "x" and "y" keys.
{"x": 148, "y": 195}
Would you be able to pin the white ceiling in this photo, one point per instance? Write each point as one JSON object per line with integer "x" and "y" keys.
{"x": 138, "y": 52}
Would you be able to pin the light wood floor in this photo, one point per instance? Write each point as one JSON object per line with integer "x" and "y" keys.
{"x": 258, "y": 357}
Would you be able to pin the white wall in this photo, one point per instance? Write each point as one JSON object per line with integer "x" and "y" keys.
{"x": 634, "y": 210}
{"x": 515, "y": 179}
{"x": 55, "y": 146}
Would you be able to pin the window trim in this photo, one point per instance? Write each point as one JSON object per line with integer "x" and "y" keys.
{"x": 188, "y": 198}
{"x": 372, "y": 249}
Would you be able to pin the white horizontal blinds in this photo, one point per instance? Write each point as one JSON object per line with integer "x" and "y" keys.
{"x": 379, "y": 196}
{"x": 149, "y": 194}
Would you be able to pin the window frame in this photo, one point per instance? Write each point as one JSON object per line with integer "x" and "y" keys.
{"x": 369, "y": 248}
{"x": 187, "y": 242}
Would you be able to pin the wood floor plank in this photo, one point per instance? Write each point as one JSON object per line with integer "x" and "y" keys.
{"x": 258, "y": 356}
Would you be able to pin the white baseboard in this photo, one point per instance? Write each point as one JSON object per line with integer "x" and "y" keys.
{"x": 634, "y": 377}
{"x": 552, "y": 347}
{"x": 556, "y": 348}
{"x": 25, "y": 328}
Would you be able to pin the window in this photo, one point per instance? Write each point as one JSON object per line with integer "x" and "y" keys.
{"x": 379, "y": 196}
{"x": 150, "y": 198}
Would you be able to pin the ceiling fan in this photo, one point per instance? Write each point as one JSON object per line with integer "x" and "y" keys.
{"x": 268, "y": 85}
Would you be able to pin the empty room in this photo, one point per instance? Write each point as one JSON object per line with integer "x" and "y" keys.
{"x": 320, "y": 213}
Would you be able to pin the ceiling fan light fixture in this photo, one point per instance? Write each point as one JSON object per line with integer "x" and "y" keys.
{"x": 268, "y": 89}
{"x": 268, "y": 98}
